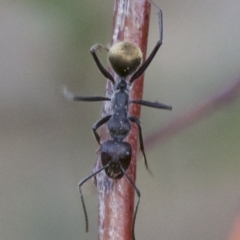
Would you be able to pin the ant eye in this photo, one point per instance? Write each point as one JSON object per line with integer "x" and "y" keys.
{"x": 124, "y": 58}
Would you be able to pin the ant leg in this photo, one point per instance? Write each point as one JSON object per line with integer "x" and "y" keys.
{"x": 152, "y": 104}
{"x": 81, "y": 195}
{"x": 136, "y": 120}
{"x": 97, "y": 61}
{"x": 91, "y": 99}
{"x": 144, "y": 66}
{"x": 99, "y": 124}
{"x": 71, "y": 96}
{"x": 139, "y": 196}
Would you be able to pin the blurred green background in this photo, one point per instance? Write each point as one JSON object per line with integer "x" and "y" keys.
{"x": 46, "y": 143}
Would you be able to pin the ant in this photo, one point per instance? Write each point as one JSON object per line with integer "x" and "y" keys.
{"x": 124, "y": 58}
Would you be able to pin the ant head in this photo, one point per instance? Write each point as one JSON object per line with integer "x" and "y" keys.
{"x": 124, "y": 58}
{"x": 116, "y": 154}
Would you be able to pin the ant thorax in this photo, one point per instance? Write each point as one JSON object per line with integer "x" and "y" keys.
{"x": 120, "y": 98}
{"x": 119, "y": 125}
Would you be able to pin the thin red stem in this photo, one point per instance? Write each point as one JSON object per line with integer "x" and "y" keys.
{"x": 189, "y": 117}
{"x": 116, "y": 197}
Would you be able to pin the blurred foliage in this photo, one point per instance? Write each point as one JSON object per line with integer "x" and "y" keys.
{"x": 46, "y": 142}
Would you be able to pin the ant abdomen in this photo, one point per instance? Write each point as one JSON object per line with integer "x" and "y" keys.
{"x": 125, "y": 58}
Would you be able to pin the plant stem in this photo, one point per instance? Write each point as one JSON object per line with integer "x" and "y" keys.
{"x": 116, "y": 197}
{"x": 216, "y": 101}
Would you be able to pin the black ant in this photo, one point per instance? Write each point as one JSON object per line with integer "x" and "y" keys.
{"x": 124, "y": 58}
